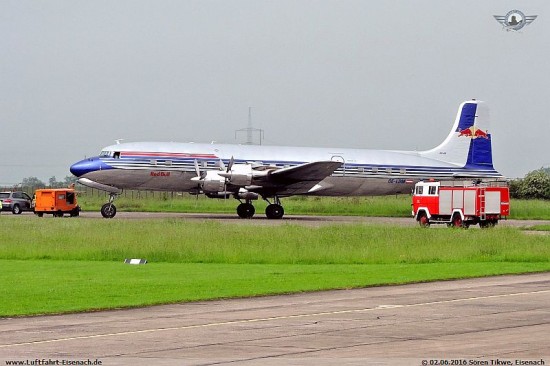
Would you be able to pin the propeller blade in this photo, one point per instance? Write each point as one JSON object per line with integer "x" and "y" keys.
{"x": 231, "y": 161}
{"x": 197, "y": 169}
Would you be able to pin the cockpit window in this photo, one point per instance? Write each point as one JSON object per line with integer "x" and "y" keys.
{"x": 106, "y": 154}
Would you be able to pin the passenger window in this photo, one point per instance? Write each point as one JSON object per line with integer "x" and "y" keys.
{"x": 433, "y": 190}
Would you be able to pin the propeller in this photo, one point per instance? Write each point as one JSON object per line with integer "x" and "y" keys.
{"x": 198, "y": 178}
{"x": 229, "y": 166}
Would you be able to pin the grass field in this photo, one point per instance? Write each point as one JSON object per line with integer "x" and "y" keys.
{"x": 389, "y": 206}
{"x": 76, "y": 264}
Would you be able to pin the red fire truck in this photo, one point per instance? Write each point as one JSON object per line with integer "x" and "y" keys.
{"x": 460, "y": 203}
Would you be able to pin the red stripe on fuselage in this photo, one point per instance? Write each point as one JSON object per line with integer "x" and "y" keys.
{"x": 167, "y": 155}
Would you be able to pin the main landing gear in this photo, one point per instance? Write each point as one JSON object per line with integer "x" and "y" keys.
{"x": 273, "y": 210}
{"x": 108, "y": 210}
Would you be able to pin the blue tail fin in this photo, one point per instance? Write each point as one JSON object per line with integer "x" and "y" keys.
{"x": 469, "y": 141}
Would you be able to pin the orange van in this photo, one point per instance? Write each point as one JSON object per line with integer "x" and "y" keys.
{"x": 55, "y": 201}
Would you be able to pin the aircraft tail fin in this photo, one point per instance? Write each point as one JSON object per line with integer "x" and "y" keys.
{"x": 468, "y": 144}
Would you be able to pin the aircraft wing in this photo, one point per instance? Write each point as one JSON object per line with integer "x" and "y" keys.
{"x": 297, "y": 179}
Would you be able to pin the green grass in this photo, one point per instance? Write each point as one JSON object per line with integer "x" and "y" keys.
{"x": 75, "y": 264}
{"x": 388, "y": 206}
{"x": 181, "y": 241}
{"x": 31, "y": 287}
{"x": 539, "y": 228}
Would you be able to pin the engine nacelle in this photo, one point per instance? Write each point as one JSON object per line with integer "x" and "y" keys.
{"x": 213, "y": 182}
{"x": 245, "y": 195}
{"x": 239, "y": 175}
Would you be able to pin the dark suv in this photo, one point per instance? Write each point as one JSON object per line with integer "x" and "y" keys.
{"x": 15, "y": 202}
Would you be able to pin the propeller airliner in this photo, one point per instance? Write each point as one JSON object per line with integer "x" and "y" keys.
{"x": 250, "y": 172}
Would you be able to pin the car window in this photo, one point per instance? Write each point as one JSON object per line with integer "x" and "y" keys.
{"x": 26, "y": 196}
{"x": 4, "y": 195}
{"x": 17, "y": 195}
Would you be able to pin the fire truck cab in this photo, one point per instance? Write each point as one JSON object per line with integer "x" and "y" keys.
{"x": 460, "y": 203}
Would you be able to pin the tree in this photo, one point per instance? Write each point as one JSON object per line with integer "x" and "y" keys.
{"x": 32, "y": 182}
{"x": 535, "y": 185}
{"x": 53, "y": 182}
{"x": 69, "y": 179}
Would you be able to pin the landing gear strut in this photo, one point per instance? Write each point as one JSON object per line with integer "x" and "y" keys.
{"x": 108, "y": 210}
{"x": 274, "y": 210}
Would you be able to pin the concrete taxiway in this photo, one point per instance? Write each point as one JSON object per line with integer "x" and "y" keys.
{"x": 475, "y": 320}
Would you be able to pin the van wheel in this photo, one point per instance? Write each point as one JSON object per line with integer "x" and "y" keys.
{"x": 16, "y": 210}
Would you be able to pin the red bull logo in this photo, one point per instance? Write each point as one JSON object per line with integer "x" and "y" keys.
{"x": 474, "y": 133}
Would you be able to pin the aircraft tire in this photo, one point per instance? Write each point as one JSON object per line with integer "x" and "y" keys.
{"x": 245, "y": 210}
{"x": 274, "y": 211}
{"x": 108, "y": 210}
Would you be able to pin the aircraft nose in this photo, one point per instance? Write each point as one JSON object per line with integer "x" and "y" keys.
{"x": 88, "y": 165}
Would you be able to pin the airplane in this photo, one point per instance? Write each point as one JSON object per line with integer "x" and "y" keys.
{"x": 250, "y": 172}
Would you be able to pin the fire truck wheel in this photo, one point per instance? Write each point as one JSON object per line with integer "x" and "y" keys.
{"x": 457, "y": 220}
{"x": 423, "y": 220}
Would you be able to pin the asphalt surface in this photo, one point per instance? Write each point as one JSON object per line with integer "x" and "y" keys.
{"x": 260, "y": 219}
{"x": 466, "y": 322}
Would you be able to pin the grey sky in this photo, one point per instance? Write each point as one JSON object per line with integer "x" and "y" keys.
{"x": 76, "y": 75}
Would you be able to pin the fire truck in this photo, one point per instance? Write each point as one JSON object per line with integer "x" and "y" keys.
{"x": 460, "y": 203}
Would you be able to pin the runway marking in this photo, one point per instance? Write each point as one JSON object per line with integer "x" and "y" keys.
{"x": 256, "y": 320}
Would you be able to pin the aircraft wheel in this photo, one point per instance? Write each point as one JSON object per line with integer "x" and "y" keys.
{"x": 108, "y": 210}
{"x": 274, "y": 211}
{"x": 245, "y": 210}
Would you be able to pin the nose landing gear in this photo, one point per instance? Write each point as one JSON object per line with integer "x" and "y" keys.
{"x": 108, "y": 210}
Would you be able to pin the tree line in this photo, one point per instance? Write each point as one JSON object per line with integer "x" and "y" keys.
{"x": 35, "y": 183}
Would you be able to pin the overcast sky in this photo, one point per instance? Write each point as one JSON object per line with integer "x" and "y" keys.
{"x": 76, "y": 75}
